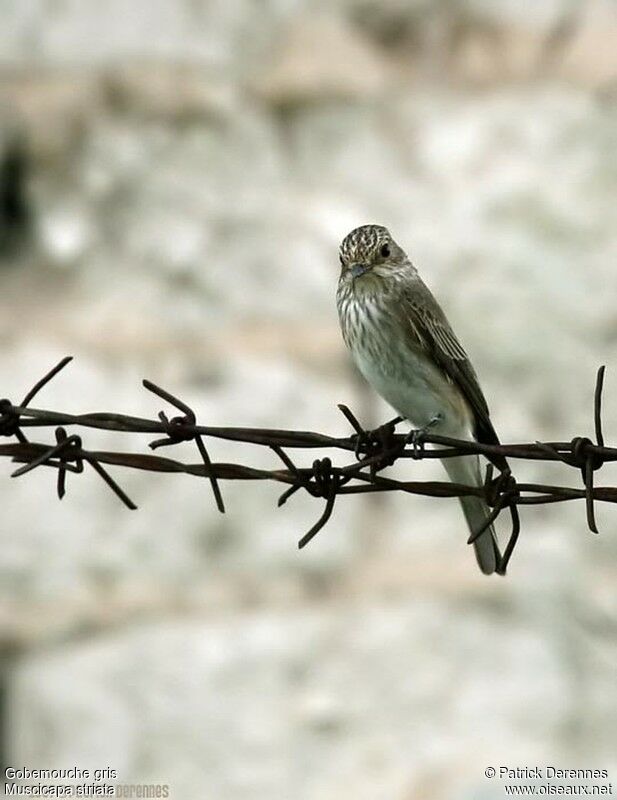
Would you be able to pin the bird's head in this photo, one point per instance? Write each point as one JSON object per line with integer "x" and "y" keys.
{"x": 369, "y": 253}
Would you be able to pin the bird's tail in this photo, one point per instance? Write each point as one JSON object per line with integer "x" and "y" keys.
{"x": 466, "y": 470}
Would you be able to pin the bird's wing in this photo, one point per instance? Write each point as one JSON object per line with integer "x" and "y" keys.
{"x": 433, "y": 330}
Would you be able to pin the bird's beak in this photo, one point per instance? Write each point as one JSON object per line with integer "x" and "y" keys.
{"x": 358, "y": 269}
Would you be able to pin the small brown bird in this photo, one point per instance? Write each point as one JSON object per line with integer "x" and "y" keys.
{"x": 404, "y": 346}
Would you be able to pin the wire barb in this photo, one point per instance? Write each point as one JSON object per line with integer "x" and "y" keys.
{"x": 378, "y": 448}
{"x": 597, "y": 405}
{"x": 182, "y": 429}
{"x": 326, "y": 482}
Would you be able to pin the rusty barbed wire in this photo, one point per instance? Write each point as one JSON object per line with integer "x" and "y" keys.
{"x": 372, "y": 451}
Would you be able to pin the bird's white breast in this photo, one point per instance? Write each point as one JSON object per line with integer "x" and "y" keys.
{"x": 400, "y": 370}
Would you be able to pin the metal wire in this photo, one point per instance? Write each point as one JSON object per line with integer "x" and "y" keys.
{"x": 373, "y": 451}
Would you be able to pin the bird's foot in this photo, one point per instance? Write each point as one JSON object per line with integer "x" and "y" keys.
{"x": 416, "y": 436}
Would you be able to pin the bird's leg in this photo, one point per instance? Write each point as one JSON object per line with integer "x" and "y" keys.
{"x": 416, "y": 436}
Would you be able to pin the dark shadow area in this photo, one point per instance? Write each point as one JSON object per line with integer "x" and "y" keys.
{"x": 15, "y": 210}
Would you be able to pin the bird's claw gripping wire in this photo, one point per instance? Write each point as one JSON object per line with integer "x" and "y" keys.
{"x": 417, "y": 436}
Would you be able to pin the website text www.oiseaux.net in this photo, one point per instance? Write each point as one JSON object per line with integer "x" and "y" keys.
{"x": 552, "y": 781}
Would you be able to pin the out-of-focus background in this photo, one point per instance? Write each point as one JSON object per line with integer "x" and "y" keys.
{"x": 175, "y": 177}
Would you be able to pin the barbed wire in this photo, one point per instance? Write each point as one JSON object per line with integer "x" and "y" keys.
{"x": 372, "y": 450}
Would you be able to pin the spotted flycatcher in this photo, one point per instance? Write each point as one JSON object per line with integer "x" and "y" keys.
{"x": 404, "y": 346}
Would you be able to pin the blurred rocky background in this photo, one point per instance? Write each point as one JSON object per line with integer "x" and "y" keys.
{"x": 175, "y": 176}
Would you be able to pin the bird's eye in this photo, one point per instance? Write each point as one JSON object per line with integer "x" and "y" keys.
{"x": 385, "y": 250}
